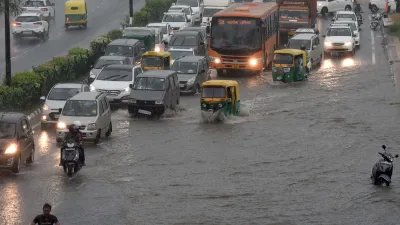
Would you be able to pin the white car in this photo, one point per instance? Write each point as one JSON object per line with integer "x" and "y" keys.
{"x": 353, "y": 26}
{"x": 114, "y": 80}
{"x": 30, "y": 25}
{"x": 309, "y": 38}
{"x": 328, "y": 6}
{"x": 380, "y": 5}
{"x": 345, "y": 15}
{"x": 183, "y": 8}
{"x": 176, "y": 20}
{"x": 179, "y": 53}
{"x": 165, "y": 27}
{"x": 197, "y": 8}
{"x": 45, "y": 7}
{"x": 339, "y": 39}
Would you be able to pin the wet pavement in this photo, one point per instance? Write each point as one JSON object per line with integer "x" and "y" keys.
{"x": 300, "y": 154}
{"x": 103, "y": 16}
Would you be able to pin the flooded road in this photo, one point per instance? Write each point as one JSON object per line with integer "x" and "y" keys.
{"x": 302, "y": 155}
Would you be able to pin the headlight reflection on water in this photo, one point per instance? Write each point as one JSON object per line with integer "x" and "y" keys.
{"x": 348, "y": 62}
{"x": 11, "y": 204}
{"x": 44, "y": 144}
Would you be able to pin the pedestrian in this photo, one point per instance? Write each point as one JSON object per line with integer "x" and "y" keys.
{"x": 46, "y": 218}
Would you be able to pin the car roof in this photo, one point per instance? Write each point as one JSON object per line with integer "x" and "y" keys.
{"x": 68, "y": 85}
{"x": 186, "y": 32}
{"x": 344, "y": 21}
{"x": 157, "y": 73}
{"x": 113, "y": 57}
{"x": 181, "y": 49}
{"x": 180, "y": 6}
{"x": 86, "y": 96}
{"x": 119, "y": 66}
{"x": 29, "y": 14}
{"x": 345, "y": 12}
{"x": 303, "y": 36}
{"x": 343, "y": 26}
{"x": 11, "y": 117}
{"x": 156, "y": 24}
{"x": 174, "y": 13}
{"x": 124, "y": 42}
{"x": 190, "y": 58}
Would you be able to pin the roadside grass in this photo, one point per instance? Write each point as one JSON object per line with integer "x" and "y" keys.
{"x": 395, "y": 28}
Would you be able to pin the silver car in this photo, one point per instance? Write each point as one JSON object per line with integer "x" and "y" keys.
{"x": 105, "y": 61}
{"x": 55, "y": 100}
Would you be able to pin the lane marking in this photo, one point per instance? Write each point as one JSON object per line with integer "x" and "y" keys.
{"x": 373, "y": 47}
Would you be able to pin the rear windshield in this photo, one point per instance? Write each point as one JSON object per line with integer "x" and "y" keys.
{"x": 62, "y": 94}
{"x": 213, "y": 92}
{"x": 27, "y": 19}
{"x": 347, "y": 16}
{"x": 283, "y": 59}
{"x": 182, "y": 40}
{"x": 174, "y": 18}
{"x": 163, "y": 28}
{"x": 114, "y": 74}
{"x": 83, "y": 108}
{"x": 191, "y": 3}
{"x": 7, "y": 130}
{"x": 102, "y": 62}
{"x": 150, "y": 83}
{"x": 339, "y": 32}
{"x": 176, "y": 54}
{"x": 152, "y": 61}
{"x": 119, "y": 50}
{"x": 34, "y": 3}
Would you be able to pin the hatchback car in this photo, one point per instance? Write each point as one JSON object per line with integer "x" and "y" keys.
{"x": 105, "y": 61}
{"x": 202, "y": 30}
{"x": 16, "y": 141}
{"x": 179, "y": 53}
{"x": 188, "y": 39}
{"x": 92, "y": 110}
{"x": 55, "y": 100}
{"x": 192, "y": 72}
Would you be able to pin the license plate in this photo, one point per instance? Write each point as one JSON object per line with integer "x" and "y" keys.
{"x": 235, "y": 66}
{"x": 338, "y": 47}
{"x": 181, "y": 85}
{"x": 27, "y": 32}
{"x": 56, "y": 116}
{"x": 144, "y": 112}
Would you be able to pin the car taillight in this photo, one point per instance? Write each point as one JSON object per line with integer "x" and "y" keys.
{"x": 44, "y": 9}
{"x": 15, "y": 24}
{"x": 38, "y": 23}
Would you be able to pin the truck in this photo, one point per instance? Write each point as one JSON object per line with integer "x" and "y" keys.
{"x": 211, "y": 7}
{"x": 295, "y": 14}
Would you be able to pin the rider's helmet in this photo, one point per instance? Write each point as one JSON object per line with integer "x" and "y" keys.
{"x": 74, "y": 127}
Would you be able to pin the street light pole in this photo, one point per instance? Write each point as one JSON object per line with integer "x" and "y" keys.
{"x": 7, "y": 33}
{"x": 130, "y": 12}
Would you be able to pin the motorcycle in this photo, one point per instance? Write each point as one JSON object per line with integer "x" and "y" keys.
{"x": 360, "y": 19}
{"x": 383, "y": 168}
{"x": 70, "y": 158}
{"x": 375, "y": 21}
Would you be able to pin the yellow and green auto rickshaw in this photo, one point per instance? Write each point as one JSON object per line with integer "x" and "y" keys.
{"x": 219, "y": 99}
{"x": 75, "y": 13}
{"x": 153, "y": 60}
{"x": 289, "y": 65}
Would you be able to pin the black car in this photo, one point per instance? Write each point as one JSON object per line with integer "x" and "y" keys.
{"x": 16, "y": 141}
{"x": 189, "y": 40}
{"x": 192, "y": 72}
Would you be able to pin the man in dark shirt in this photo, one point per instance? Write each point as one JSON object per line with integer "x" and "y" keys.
{"x": 46, "y": 218}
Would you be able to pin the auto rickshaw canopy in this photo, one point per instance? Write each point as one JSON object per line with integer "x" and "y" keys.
{"x": 223, "y": 83}
{"x": 75, "y": 7}
{"x": 154, "y": 53}
{"x": 293, "y": 52}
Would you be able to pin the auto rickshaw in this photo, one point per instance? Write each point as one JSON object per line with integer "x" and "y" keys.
{"x": 286, "y": 65}
{"x": 219, "y": 99}
{"x": 146, "y": 35}
{"x": 75, "y": 13}
{"x": 153, "y": 60}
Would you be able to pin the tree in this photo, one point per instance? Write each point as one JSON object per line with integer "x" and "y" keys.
{"x": 15, "y": 7}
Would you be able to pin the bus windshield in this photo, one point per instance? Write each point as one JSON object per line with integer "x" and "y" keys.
{"x": 293, "y": 14}
{"x": 235, "y": 34}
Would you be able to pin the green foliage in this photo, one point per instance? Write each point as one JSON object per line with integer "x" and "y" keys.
{"x": 114, "y": 34}
{"x": 15, "y": 7}
{"x": 152, "y": 12}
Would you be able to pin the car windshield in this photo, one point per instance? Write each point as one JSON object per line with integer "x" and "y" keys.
{"x": 84, "y": 108}
{"x": 339, "y": 32}
{"x": 163, "y": 28}
{"x": 185, "y": 10}
{"x": 185, "y": 67}
{"x": 191, "y": 3}
{"x": 34, "y": 4}
{"x": 177, "y": 54}
{"x": 296, "y": 44}
{"x": 346, "y": 16}
{"x": 105, "y": 62}
{"x": 209, "y": 12}
{"x": 283, "y": 59}
{"x": 27, "y": 19}
{"x": 213, "y": 92}
{"x": 152, "y": 61}
{"x": 115, "y": 74}
{"x": 293, "y": 14}
{"x": 352, "y": 25}
{"x": 62, "y": 94}
{"x": 174, "y": 18}
{"x": 150, "y": 83}
{"x": 119, "y": 50}
{"x": 182, "y": 40}
{"x": 7, "y": 130}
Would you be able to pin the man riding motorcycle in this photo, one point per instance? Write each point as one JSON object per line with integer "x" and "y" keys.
{"x": 77, "y": 136}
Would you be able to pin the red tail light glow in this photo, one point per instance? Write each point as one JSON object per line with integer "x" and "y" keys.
{"x": 38, "y": 23}
{"x": 44, "y": 9}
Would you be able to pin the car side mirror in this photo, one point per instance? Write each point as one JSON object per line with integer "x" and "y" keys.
{"x": 52, "y": 4}
{"x": 60, "y": 110}
{"x": 43, "y": 98}
{"x": 333, "y": 20}
{"x": 354, "y": 35}
{"x": 384, "y": 147}
{"x": 324, "y": 35}
{"x": 165, "y": 42}
{"x": 202, "y": 43}
{"x": 131, "y": 86}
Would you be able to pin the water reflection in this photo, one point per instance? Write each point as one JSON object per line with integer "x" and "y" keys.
{"x": 327, "y": 64}
{"x": 44, "y": 144}
{"x": 348, "y": 62}
{"x": 10, "y": 204}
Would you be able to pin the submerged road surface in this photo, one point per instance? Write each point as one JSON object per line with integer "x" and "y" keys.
{"x": 301, "y": 155}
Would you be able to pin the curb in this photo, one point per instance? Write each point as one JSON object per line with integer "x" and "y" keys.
{"x": 34, "y": 117}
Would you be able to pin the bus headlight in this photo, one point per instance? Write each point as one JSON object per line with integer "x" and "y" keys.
{"x": 254, "y": 62}
{"x": 217, "y": 60}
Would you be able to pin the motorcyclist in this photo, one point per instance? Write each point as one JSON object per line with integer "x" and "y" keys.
{"x": 76, "y": 135}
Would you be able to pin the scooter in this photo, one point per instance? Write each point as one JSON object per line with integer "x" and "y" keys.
{"x": 375, "y": 21}
{"x": 70, "y": 158}
{"x": 383, "y": 168}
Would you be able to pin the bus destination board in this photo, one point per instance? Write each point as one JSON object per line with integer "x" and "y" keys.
{"x": 235, "y": 21}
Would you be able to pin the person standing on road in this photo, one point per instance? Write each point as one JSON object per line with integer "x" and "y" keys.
{"x": 46, "y": 218}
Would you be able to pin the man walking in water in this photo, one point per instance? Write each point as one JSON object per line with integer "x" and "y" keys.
{"x": 46, "y": 218}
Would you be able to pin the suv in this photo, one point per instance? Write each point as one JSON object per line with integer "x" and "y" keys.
{"x": 58, "y": 95}
{"x": 188, "y": 39}
{"x": 30, "y": 25}
{"x": 192, "y": 72}
{"x": 197, "y": 8}
{"x": 17, "y": 143}
{"x": 328, "y": 6}
{"x": 114, "y": 81}
{"x": 105, "y": 61}
{"x": 92, "y": 110}
{"x": 345, "y": 15}
{"x": 180, "y": 52}
{"x": 185, "y": 9}
{"x": 353, "y": 26}
{"x": 310, "y": 39}
{"x": 45, "y": 7}
{"x": 339, "y": 39}
{"x": 176, "y": 20}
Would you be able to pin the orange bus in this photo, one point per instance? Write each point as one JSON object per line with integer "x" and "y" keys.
{"x": 244, "y": 37}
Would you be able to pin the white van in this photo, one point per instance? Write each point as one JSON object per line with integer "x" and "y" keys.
{"x": 197, "y": 8}
{"x": 211, "y": 7}
{"x": 330, "y": 6}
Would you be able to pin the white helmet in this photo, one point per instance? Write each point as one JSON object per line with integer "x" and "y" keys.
{"x": 77, "y": 123}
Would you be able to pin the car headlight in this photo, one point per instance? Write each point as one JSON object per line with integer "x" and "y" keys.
{"x": 191, "y": 80}
{"x": 159, "y": 102}
{"x": 328, "y": 44}
{"x": 11, "y": 149}
{"x": 91, "y": 126}
{"x": 92, "y": 75}
{"x": 347, "y": 43}
{"x": 157, "y": 49}
{"x": 132, "y": 101}
{"x": 126, "y": 89}
{"x": 61, "y": 125}
{"x": 92, "y": 88}
{"x": 286, "y": 70}
{"x": 319, "y": 4}
{"x": 45, "y": 107}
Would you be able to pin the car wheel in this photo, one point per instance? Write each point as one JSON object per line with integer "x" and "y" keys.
{"x": 109, "y": 130}
{"x": 31, "y": 158}
{"x": 97, "y": 140}
{"x": 17, "y": 165}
